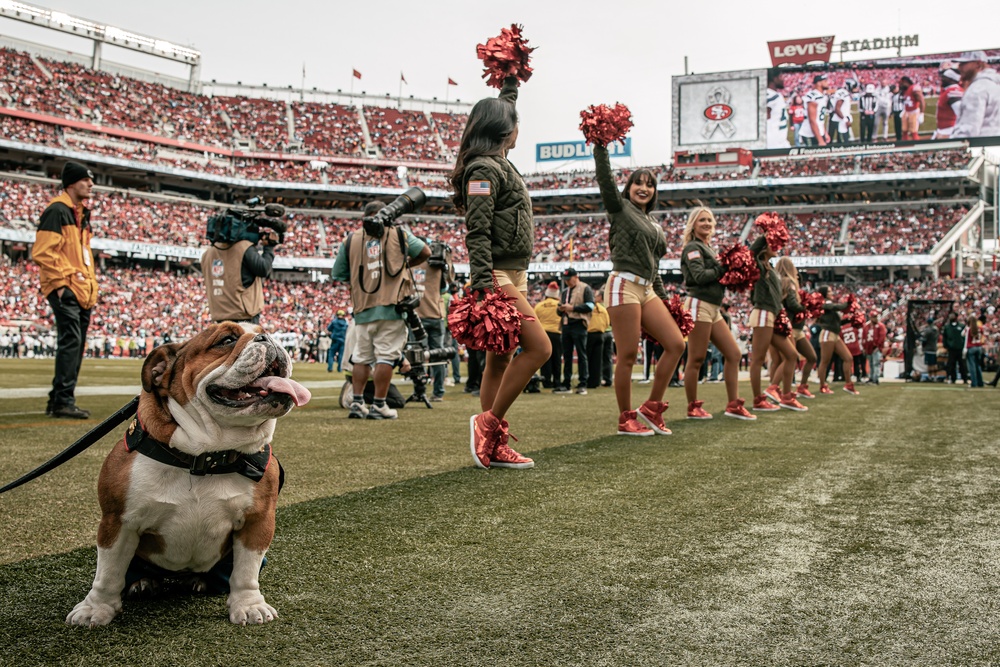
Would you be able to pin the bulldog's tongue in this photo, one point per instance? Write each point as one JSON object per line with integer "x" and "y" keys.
{"x": 279, "y": 385}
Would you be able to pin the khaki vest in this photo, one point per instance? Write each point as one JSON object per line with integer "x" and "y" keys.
{"x": 427, "y": 280}
{"x": 227, "y": 298}
{"x": 376, "y": 287}
{"x": 576, "y": 299}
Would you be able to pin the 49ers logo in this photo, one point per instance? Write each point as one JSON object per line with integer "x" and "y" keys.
{"x": 718, "y": 112}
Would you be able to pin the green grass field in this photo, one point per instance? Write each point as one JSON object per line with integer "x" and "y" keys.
{"x": 864, "y": 532}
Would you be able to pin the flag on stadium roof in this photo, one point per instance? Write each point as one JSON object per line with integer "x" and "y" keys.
{"x": 357, "y": 74}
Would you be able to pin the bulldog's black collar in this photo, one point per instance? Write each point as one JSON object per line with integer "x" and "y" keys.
{"x": 251, "y": 466}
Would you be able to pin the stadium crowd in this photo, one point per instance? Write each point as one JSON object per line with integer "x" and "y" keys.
{"x": 133, "y": 216}
{"x": 144, "y": 305}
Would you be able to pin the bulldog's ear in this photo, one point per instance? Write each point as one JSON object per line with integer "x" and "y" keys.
{"x": 157, "y": 365}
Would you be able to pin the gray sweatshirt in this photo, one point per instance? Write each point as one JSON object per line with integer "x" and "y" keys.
{"x": 979, "y": 113}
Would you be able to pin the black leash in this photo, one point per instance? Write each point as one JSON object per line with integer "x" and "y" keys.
{"x": 98, "y": 432}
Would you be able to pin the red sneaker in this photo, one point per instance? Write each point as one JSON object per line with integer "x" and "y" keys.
{"x": 482, "y": 437}
{"x": 825, "y": 389}
{"x": 503, "y": 456}
{"x": 629, "y": 425}
{"x": 695, "y": 411}
{"x": 803, "y": 391}
{"x": 761, "y": 404}
{"x": 788, "y": 401}
{"x": 849, "y": 388}
{"x": 774, "y": 393}
{"x": 736, "y": 410}
{"x": 651, "y": 412}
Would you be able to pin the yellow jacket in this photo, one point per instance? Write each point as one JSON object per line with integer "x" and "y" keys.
{"x": 62, "y": 251}
{"x": 547, "y": 312}
{"x": 600, "y": 321}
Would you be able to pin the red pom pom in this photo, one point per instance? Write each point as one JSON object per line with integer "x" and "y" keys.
{"x": 507, "y": 54}
{"x": 782, "y": 326}
{"x": 492, "y": 323}
{"x": 813, "y": 301}
{"x": 681, "y": 315}
{"x": 854, "y": 314}
{"x": 603, "y": 125}
{"x": 774, "y": 230}
{"x": 741, "y": 268}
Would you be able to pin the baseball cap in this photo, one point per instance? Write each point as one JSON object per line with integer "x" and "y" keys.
{"x": 951, "y": 74}
{"x": 870, "y": 88}
{"x": 971, "y": 56}
{"x": 569, "y": 273}
{"x": 341, "y": 312}
{"x": 819, "y": 77}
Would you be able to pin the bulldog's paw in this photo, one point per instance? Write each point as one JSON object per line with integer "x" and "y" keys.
{"x": 144, "y": 589}
{"x": 252, "y": 611}
{"x": 92, "y": 614}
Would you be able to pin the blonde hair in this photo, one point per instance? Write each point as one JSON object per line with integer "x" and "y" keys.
{"x": 689, "y": 228}
{"x": 789, "y": 275}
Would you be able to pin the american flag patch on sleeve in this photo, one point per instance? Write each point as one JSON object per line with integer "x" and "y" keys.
{"x": 694, "y": 254}
{"x": 479, "y": 188}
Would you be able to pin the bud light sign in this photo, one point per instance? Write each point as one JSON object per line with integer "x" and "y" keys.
{"x": 578, "y": 150}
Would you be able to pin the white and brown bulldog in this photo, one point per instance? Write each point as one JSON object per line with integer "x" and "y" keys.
{"x": 192, "y": 487}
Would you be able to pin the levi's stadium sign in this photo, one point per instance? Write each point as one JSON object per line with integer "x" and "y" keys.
{"x": 801, "y": 51}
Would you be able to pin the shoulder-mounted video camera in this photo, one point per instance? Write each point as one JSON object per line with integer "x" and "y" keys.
{"x": 243, "y": 223}
{"x": 439, "y": 255}
{"x": 408, "y": 202}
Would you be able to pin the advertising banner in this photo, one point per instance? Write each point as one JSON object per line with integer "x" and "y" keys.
{"x": 578, "y": 150}
{"x": 801, "y": 51}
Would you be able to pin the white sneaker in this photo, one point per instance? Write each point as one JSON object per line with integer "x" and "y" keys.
{"x": 384, "y": 412}
{"x": 358, "y": 410}
{"x": 448, "y": 382}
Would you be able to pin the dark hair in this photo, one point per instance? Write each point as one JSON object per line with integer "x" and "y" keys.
{"x": 637, "y": 175}
{"x": 906, "y": 79}
{"x": 490, "y": 124}
{"x": 824, "y": 290}
{"x": 373, "y": 207}
{"x": 773, "y": 73}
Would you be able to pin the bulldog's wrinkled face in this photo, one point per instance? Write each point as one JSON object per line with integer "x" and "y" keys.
{"x": 236, "y": 371}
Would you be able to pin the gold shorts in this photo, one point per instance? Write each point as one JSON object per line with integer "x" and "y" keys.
{"x": 761, "y": 318}
{"x": 518, "y": 279}
{"x": 911, "y": 121}
{"x": 828, "y": 336}
{"x": 624, "y": 288}
{"x": 798, "y": 334}
{"x": 702, "y": 311}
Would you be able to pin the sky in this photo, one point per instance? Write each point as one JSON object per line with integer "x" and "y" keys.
{"x": 587, "y": 52}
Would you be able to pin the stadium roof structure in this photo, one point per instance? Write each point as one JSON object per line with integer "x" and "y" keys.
{"x": 100, "y": 34}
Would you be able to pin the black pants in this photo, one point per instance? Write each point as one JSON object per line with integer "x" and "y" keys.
{"x": 72, "y": 322}
{"x": 860, "y": 366}
{"x": 597, "y": 352}
{"x": 897, "y": 124}
{"x": 608, "y": 365}
{"x": 574, "y": 337}
{"x": 551, "y": 369}
{"x": 477, "y": 362}
{"x": 955, "y": 358}
{"x": 867, "y": 127}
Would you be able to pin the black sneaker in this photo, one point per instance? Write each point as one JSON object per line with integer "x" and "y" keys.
{"x": 561, "y": 390}
{"x": 582, "y": 391}
{"x": 69, "y": 412}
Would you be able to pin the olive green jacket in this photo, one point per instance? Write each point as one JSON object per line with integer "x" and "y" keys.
{"x": 702, "y": 270}
{"x": 636, "y": 240}
{"x": 767, "y": 290}
{"x": 498, "y": 216}
{"x": 793, "y": 307}
{"x": 830, "y": 319}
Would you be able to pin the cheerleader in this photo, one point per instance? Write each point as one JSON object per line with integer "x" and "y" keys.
{"x": 500, "y": 239}
{"x": 767, "y": 303}
{"x": 831, "y": 343}
{"x": 702, "y": 271}
{"x": 634, "y": 294}
{"x": 790, "y": 298}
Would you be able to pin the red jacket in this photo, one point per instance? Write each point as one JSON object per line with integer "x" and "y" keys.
{"x": 873, "y": 337}
{"x": 851, "y": 338}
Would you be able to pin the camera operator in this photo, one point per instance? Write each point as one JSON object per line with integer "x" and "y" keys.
{"x": 431, "y": 283}
{"x": 375, "y": 265}
{"x": 233, "y": 273}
